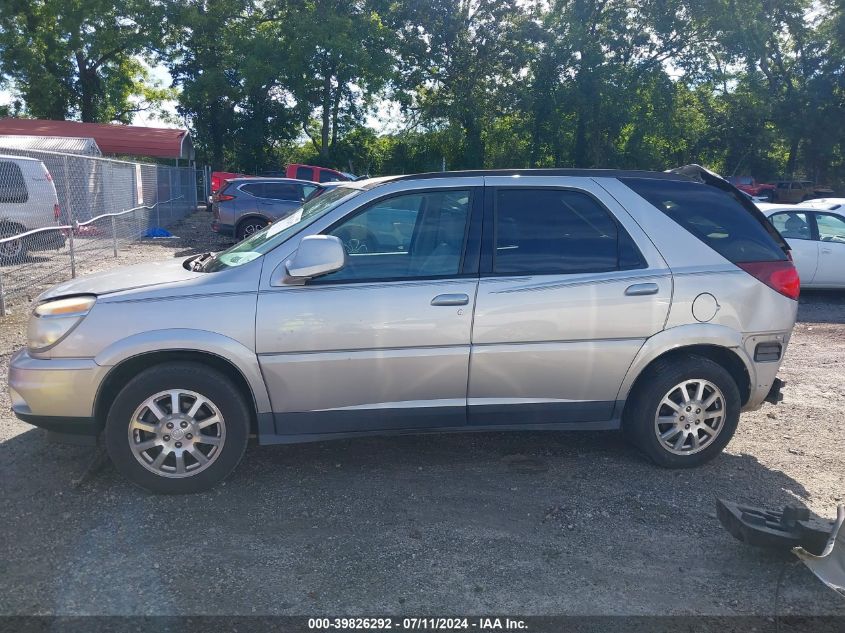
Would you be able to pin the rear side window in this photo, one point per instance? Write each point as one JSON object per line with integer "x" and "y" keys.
{"x": 282, "y": 191}
{"x": 558, "y": 231}
{"x": 12, "y": 184}
{"x": 254, "y": 189}
{"x": 327, "y": 176}
{"x": 304, "y": 173}
{"x": 713, "y": 216}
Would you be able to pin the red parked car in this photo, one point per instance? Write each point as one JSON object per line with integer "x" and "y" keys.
{"x": 316, "y": 174}
{"x": 752, "y": 187}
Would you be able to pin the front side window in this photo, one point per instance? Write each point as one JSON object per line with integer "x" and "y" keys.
{"x": 408, "y": 236}
{"x": 327, "y": 176}
{"x": 831, "y": 227}
{"x": 792, "y": 225}
{"x": 558, "y": 231}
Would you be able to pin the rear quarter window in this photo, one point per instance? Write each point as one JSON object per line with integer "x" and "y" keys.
{"x": 12, "y": 184}
{"x": 713, "y": 216}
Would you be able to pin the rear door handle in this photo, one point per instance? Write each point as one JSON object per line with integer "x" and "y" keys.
{"x": 639, "y": 290}
{"x": 450, "y": 300}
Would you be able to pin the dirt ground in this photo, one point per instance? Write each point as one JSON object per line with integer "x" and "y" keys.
{"x": 530, "y": 523}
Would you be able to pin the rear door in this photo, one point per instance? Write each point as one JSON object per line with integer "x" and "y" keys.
{"x": 831, "y": 244}
{"x": 796, "y": 227}
{"x": 280, "y": 198}
{"x": 565, "y": 300}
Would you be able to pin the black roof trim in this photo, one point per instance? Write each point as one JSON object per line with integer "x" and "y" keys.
{"x": 573, "y": 172}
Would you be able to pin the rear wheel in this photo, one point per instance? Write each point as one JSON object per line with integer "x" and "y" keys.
{"x": 13, "y": 251}
{"x": 177, "y": 428}
{"x": 249, "y": 227}
{"x": 683, "y": 412}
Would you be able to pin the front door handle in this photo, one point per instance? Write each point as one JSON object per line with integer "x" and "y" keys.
{"x": 450, "y": 300}
{"x": 826, "y": 251}
{"x": 639, "y": 290}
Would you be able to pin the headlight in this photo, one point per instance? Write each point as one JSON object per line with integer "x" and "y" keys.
{"x": 51, "y": 321}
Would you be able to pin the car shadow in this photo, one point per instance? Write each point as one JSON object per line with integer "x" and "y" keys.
{"x": 549, "y": 521}
{"x": 821, "y": 306}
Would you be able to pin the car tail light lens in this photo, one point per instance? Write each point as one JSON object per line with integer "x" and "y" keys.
{"x": 781, "y": 276}
{"x": 57, "y": 211}
{"x": 224, "y": 197}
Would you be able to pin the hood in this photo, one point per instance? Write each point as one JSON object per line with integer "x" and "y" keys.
{"x": 124, "y": 278}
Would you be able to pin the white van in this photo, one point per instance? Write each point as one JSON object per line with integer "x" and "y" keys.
{"x": 27, "y": 201}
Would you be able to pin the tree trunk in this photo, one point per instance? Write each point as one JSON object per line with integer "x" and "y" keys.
{"x": 88, "y": 85}
{"x": 326, "y": 123}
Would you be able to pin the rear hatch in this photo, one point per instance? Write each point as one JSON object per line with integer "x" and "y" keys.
{"x": 719, "y": 215}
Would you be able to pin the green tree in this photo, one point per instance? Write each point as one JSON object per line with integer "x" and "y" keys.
{"x": 78, "y": 58}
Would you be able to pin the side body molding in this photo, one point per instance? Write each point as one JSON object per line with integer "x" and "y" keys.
{"x": 187, "y": 340}
{"x": 685, "y": 336}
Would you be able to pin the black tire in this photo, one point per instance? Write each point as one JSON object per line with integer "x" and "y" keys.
{"x": 184, "y": 376}
{"x": 13, "y": 252}
{"x": 249, "y": 226}
{"x": 659, "y": 379}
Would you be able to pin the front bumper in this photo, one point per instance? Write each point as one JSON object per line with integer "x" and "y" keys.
{"x": 55, "y": 394}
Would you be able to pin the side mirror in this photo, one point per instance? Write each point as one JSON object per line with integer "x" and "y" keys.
{"x": 317, "y": 255}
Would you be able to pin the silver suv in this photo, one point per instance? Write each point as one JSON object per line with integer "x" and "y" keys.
{"x": 658, "y": 303}
{"x": 244, "y": 206}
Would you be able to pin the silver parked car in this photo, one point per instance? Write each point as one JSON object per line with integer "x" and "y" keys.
{"x": 659, "y": 303}
{"x": 244, "y": 206}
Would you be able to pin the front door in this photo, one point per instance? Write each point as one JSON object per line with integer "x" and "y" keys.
{"x": 384, "y": 342}
{"x": 831, "y": 232}
{"x": 565, "y": 301}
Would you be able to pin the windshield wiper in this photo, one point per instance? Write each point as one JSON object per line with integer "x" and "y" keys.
{"x": 198, "y": 265}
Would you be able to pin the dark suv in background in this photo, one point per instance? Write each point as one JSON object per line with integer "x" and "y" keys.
{"x": 243, "y": 206}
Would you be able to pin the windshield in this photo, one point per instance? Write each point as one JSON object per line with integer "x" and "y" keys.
{"x": 266, "y": 240}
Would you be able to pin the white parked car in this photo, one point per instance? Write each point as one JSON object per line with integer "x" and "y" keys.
{"x": 830, "y": 204}
{"x": 27, "y": 201}
{"x": 816, "y": 234}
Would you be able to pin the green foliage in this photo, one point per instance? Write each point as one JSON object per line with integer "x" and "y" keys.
{"x": 78, "y": 58}
{"x": 754, "y": 87}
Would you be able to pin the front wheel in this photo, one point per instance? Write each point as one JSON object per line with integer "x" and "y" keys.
{"x": 177, "y": 428}
{"x": 683, "y": 412}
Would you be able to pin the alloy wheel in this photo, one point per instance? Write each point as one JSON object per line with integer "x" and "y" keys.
{"x": 690, "y": 416}
{"x": 177, "y": 433}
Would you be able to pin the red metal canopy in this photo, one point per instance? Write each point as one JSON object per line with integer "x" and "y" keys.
{"x": 121, "y": 140}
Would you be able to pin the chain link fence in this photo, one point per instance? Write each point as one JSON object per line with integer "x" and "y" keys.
{"x": 57, "y": 210}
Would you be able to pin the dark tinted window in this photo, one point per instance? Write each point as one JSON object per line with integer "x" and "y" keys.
{"x": 327, "y": 176}
{"x": 713, "y": 216}
{"x": 558, "y": 231}
{"x": 12, "y": 184}
{"x": 282, "y": 191}
{"x": 254, "y": 189}
{"x": 304, "y": 173}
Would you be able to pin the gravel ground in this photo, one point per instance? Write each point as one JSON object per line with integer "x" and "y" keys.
{"x": 527, "y": 523}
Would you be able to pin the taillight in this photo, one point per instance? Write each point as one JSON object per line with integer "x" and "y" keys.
{"x": 224, "y": 197}
{"x": 57, "y": 211}
{"x": 781, "y": 276}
